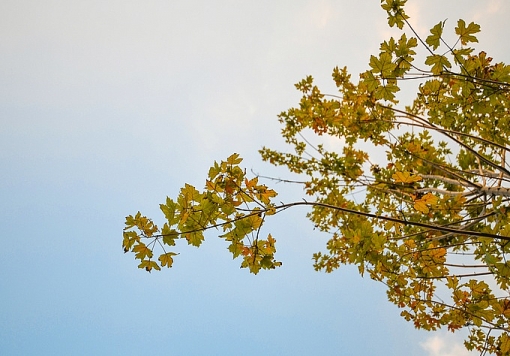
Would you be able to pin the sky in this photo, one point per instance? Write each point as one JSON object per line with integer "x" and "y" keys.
{"x": 107, "y": 107}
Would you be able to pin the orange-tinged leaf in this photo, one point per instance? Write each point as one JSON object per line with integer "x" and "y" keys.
{"x": 265, "y": 194}
{"x": 410, "y": 243}
{"x": 438, "y": 254}
{"x": 421, "y": 207}
{"x": 271, "y": 240}
{"x": 251, "y": 184}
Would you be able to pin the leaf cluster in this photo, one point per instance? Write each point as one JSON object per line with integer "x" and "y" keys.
{"x": 230, "y": 203}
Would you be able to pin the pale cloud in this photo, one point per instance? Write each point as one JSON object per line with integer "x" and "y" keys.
{"x": 443, "y": 346}
{"x": 321, "y": 14}
{"x": 490, "y": 8}
{"x": 415, "y": 11}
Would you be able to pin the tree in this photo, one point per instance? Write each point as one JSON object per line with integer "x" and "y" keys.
{"x": 431, "y": 220}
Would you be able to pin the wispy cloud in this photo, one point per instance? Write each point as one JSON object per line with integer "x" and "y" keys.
{"x": 438, "y": 345}
{"x": 490, "y": 8}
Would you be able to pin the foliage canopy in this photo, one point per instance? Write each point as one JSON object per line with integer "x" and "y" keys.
{"x": 430, "y": 218}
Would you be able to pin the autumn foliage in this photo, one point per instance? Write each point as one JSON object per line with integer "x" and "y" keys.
{"x": 430, "y": 218}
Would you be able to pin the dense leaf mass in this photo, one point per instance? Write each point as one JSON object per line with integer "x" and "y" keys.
{"x": 430, "y": 218}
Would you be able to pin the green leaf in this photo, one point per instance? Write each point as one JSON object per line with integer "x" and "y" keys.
{"x": 386, "y": 92}
{"x": 169, "y": 235}
{"x": 405, "y": 46}
{"x": 169, "y": 210}
{"x": 214, "y": 171}
{"x": 434, "y": 39}
{"x": 370, "y": 80}
{"x": 389, "y": 46}
{"x": 383, "y": 64}
{"x": 466, "y": 33}
{"x": 438, "y": 63}
{"x": 236, "y": 248}
{"x": 194, "y": 238}
{"x": 395, "y": 10}
{"x": 491, "y": 259}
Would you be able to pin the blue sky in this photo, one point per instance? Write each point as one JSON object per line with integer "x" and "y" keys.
{"x": 107, "y": 107}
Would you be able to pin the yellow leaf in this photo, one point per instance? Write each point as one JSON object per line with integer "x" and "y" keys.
{"x": 429, "y": 198}
{"x": 149, "y": 265}
{"x": 423, "y": 203}
{"x": 234, "y": 159}
{"x": 438, "y": 255}
{"x": 270, "y": 211}
{"x": 166, "y": 259}
{"x": 410, "y": 243}
{"x": 421, "y": 207}
{"x": 210, "y": 185}
{"x": 405, "y": 177}
{"x": 142, "y": 251}
{"x": 505, "y": 344}
{"x": 251, "y": 184}
{"x": 264, "y": 194}
{"x": 130, "y": 237}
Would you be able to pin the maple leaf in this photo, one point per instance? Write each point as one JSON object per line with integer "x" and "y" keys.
{"x": 130, "y": 237}
{"x": 234, "y": 159}
{"x": 142, "y": 251}
{"x": 383, "y": 64}
{"x": 149, "y": 265}
{"x": 505, "y": 344}
{"x": 169, "y": 209}
{"x": 194, "y": 238}
{"x": 169, "y": 235}
{"x": 466, "y": 33}
{"x": 405, "y": 177}
{"x": 438, "y": 63}
{"x": 422, "y": 204}
{"x": 436, "y": 32}
{"x": 166, "y": 259}
{"x": 264, "y": 194}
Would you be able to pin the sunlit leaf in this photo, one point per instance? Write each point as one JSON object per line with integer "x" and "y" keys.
{"x": 422, "y": 204}
{"x": 166, "y": 259}
{"x": 434, "y": 39}
{"x": 405, "y": 177}
{"x": 466, "y": 33}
